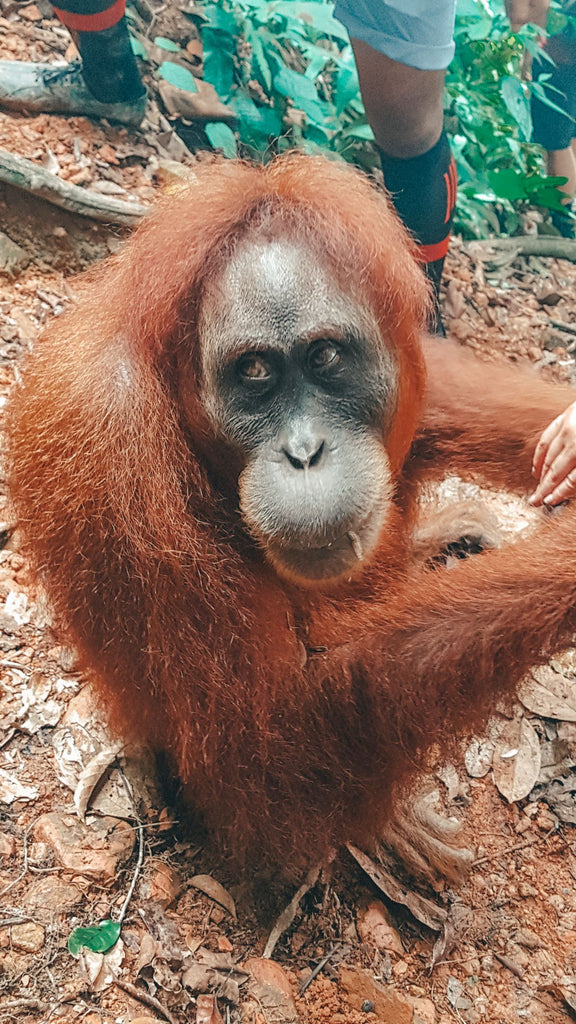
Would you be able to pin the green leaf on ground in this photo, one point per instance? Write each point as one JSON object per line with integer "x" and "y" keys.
{"x": 99, "y": 938}
{"x": 221, "y": 137}
{"x": 178, "y": 76}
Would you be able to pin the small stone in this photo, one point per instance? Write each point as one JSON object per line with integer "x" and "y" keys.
{"x": 527, "y": 938}
{"x": 30, "y": 13}
{"x": 535, "y": 353}
{"x": 29, "y": 937}
{"x": 7, "y": 845}
{"x": 358, "y": 987}
{"x": 68, "y": 657}
{"x": 424, "y": 1011}
{"x": 224, "y": 944}
{"x": 96, "y": 850}
{"x": 161, "y": 883}
{"x": 13, "y": 258}
{"x": 368, "y": 1006}
{"x": 49, "y": 895}
{"x": 375, "y": 927}
{"x": 270, "y": 990}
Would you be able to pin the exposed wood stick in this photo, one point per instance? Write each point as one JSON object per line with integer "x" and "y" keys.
{"x": 147, "y": 1000}
{"x": 560, "y": 326}
{"x": 304, "y": 985}
{"x": 289, "y": 912}
{"x": 26, "y": 175}
{"x": 530, "y": 245}
{"x": 514, "y": 849}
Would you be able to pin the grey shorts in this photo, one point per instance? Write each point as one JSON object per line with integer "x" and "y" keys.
{"x": 413, "y": 32}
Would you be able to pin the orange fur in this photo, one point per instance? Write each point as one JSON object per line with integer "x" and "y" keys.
{"x": 192, "y": 640}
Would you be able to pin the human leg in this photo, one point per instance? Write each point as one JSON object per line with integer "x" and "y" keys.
{"x": 554, "y": 129}
{"x": 401, "y": 54}
{"x": 105, "y": 84}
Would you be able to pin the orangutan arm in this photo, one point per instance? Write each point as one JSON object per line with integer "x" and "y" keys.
{"x": 483, "y": 419}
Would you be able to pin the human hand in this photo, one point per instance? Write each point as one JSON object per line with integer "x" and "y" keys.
{"x": 520, "y": 12}
{"x": 554, "y": 463}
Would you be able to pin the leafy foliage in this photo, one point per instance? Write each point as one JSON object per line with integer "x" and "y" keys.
{"x": 99, "y": 938}
{"x": 287, "y": 69}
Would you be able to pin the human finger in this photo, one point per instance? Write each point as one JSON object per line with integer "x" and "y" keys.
{"x": 544, "y": 443}
{"x": 558, "y": 470}
{"x": 564, "y": 491}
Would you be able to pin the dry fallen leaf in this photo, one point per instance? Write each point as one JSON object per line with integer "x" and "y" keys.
{"x": 91, "y": 775}
{"x": 101, "y": 968}
{"x": 207, "y": 1011}
{"x": 517, "y": 760}
{"x": 424, "y": 910}
{"x": 549, "y": 694}
{"x": 210, "y": 887}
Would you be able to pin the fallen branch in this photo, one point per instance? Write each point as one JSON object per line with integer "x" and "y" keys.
{"x": 530, "y": 245}
{"x": 145, "y": 999}
{"x": 28, "y": 176}
{"x": 289, "y": 913}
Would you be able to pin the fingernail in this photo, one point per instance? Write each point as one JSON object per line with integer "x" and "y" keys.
{"x": 547, "y": 500}
{"x": 532, "y": 499}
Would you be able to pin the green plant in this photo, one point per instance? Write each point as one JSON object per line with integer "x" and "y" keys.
{"x": 286, "y": 68}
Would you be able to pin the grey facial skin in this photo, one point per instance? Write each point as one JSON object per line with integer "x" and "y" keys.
{"x": 296, "y": 379}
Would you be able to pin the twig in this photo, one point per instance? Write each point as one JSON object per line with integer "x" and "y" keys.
{"x": 514, "y": 849}
{"x": 25, "y": 1004}
{"x": 6, "y": 739}
{"x": 137, "y": 871}
{"x": 507, "y": 962}
{"x": 319, "y": 967}
{"x": 560, "y": 326}
{"x": 144, "y": 998}
{"x": 288, "y": 914}
{"x": 26, "y": 175}
{"x": 24, "y": 871}
{"x": 530, "y": 245}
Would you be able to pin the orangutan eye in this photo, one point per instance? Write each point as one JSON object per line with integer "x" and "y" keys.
{"x": 254, "y": 367}
{"x": 324, "y": 357}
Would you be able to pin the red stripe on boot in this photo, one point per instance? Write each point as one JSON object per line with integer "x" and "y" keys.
{"x": 92, "y": 22}
{"x": 448, "y": 184}
{"x": 454, "y": 176}
{"x": 431, "y": 253}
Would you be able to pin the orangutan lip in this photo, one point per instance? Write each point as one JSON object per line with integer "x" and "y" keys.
{"x": 349, "y": 539}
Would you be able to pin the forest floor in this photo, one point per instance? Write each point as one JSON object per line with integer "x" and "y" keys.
{"x": 499, "y": 948}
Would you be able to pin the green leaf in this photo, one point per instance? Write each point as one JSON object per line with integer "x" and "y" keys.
{"x": 260, "y": 61}
{"x": 219, "y": 69}
{"x": 262, "y": 119}
{"x": 138, "y": 48}
{"x": 301, "y": 91}
{"x": 347, "y": 88}
{"x": 518, "y": 104}
{"x": 508, "y": 184}
{"x": 543, "y": 94}
{"x": 224, "y": 21}
{"x": 314, "y": 15}
{"x": 359, "y": 131}
{"x": 222, "y": 137}
{"x": 99, "y": 938}
{"x": 166, "y": 44}
{"x": 177, "y": 75}
{"x": 480, "y": 28}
